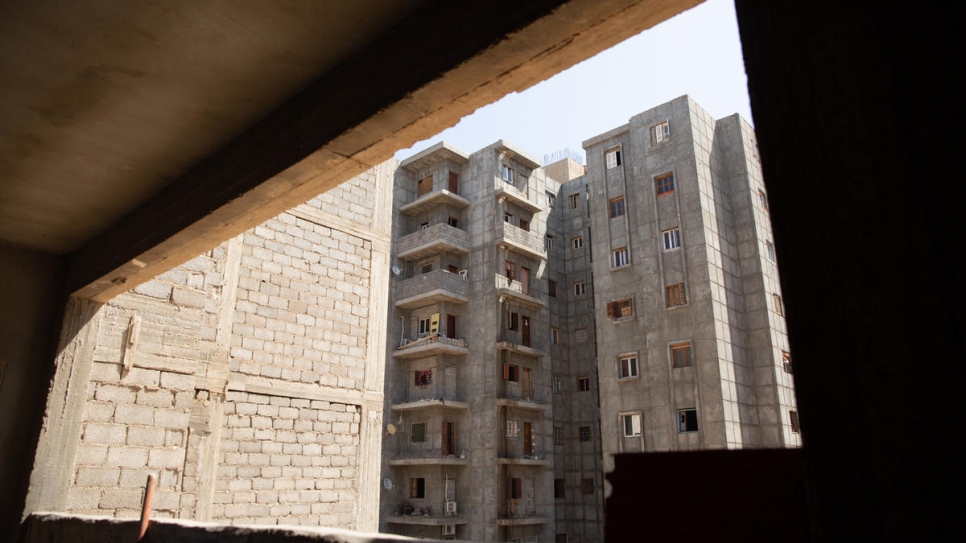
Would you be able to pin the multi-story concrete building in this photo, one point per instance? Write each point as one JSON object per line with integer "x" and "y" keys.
{"x": 692, "y": 348}
{"x": 525, "y": 351}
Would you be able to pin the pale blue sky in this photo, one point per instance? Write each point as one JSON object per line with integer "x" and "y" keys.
{"x": 696, "y": 53}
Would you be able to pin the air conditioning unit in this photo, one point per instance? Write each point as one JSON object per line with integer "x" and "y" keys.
{"x": 450, "y": 508}
{"x": 449, "y": 529}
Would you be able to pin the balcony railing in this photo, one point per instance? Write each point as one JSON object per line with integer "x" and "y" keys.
{"x": 433, "y": 287}
{"x": 433, "y": 199}
{"x": 435, "y": 239}
{"x": 529, "y": 295}
{"x": 515, "y": 195}
{"x": 524, "y": 241}
{"x": 431, "y": 345}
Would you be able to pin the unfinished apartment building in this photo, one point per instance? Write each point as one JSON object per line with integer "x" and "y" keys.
{"x": 480, "y": 394}
{"x": 691, "y": 341}
{"x": 543, "y": 320}
{"x": 249, "y": 379}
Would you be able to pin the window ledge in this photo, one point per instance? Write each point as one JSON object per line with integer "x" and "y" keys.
{"x": 673, "y": 307}
{"x": 620, "y": 320}
{"x": 631, "y": 378}
{"x": 615, "y": 268}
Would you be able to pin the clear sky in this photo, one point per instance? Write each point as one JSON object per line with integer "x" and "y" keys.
{"x": 696, "y": 53}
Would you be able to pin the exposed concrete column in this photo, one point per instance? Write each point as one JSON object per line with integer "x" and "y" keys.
{"x": 61, "y": 432}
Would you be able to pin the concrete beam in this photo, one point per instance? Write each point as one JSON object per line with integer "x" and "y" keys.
{"x": 441, "y": 64}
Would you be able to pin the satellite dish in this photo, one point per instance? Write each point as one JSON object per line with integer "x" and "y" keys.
{"x": 387, "y": 483}
{"x": 396, "y": 270}
{"x": 391, "y": 428}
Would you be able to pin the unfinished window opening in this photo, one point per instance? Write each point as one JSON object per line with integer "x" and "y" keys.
{"x": 552, "y": 288}
{"x": 762, "y": 200}
{"x": 448, "y": 438}
{"x": 516, "y": 488}
{"x": 770, "y": 251}
{"x": 559, "y": 489}
{"x": 417, "y": 488}
{"x": 787, "y": 362}
{"x": 778, "y": 304}
{"x": 423, "y": 378}
{"x": 793, "y": 419}
{"x": 417, "y": 433}
{"x": 524, "y": 225}
{"x": 424, "y": 185}
{"x": 574, "y": 201}
{"x": 687, "y": 420}
{"x": 453, "y": 221}
{"x": 511, "y": 270}
{"x": 583, "y": 383}
{"x": 554, "y": 335}
{"x": 551, "y": 200}
{"x": 587, "y": 486}
{"x": 620, "y": 309}
{"x": 513, "y": 323}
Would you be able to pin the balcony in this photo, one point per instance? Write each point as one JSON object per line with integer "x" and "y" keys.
{"x": 514, "y": 289}
{"x": 526, "y": 404}
{"x": 442, "y": 403}
{"x": 515, "y": 196}
{"x": 535, "y": 460}
{"x": 427, "y": 520}
{"x": 434, "y": 199}
{"x": 522, "y": 241}
{"x": 522, "y": 521}
{"x": 430, "y": 288}
{"x": 428, "y": 460}
{"x": 533, "y": 350}
{"x": 431, "y": 346}
{"x": 436, "y": 239}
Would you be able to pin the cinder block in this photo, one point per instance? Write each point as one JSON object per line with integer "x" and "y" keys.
{"x": 97, "y": 476}
{"x": 107, "y": 434}
{"x": 127, "y": 457}
{"x": 166, "y": 458}
{"x": 120, "y": 498}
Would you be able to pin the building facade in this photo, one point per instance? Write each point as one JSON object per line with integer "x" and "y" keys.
{"x": 692, "y": 345}
{"x": 544, "y": 319}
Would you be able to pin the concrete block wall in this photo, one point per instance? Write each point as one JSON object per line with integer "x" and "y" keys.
{"x": 249, "y": 379}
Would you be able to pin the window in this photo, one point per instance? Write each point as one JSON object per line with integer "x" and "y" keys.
{"x": 627, "y": 366}
{"x": 786, "y": 361}
{"x": 423, "y": 378}
{"x": 555, "y": 384}
{"x": 580, "y": 288}
{"x": 560, "y": 538}
{"x": 524, "y": 225}
{"x": 424, "y": 325}
{"x": 559, "y": 488}
{"x": 552, "y": 288}
{"x": 587, "y": 486}
{"x": 551, "y": 243}
{"x": 778, "y": 304}
{"x": 551, "y": 200}
{"x": 620, "y": 309}
{"x": 770, "y": 251}
{"x": 793, "y": 419}
{"x": 424, "y": 225}
{"x": 660, "y": 133}
{"x": 621, "y": 257}
{"x": 508, "y": 218}
{"x": 511, "y": 270}
{"x": 612, "y": 158}
{"x": 554, "y": 335}
{"x": 580, "y": 335}
{"x": 506, "y": 173}
{"x": 454, "y": 222}
{"x": 454, "y": 182}
{"x": 513, "y": 323}
{"x": 687, "y": 420}
{"x": 762, "y": 199}
{"x": 417, "y": 488}
{"x": 583, "y": 384}
{"x": 418, "y": 432}
{"x": 616, "y": 207}
{"x": 585, "y": 433}
{"x": 574, "y": 201}
{"x": 681, "y": 355}
{"x": 664, "y": 184}
{"x": 631, "y": 423}
{"x": 512, "y": 428}
{"x": 672, "y": 239}
{"x": 577, "y": 243}
{"x": 516, "y": 488}
{"x": 558, "y": 435}
{"x": 511, "y": 372}
{"x": 426, "y": 268}
{"x": 676, "y": 295}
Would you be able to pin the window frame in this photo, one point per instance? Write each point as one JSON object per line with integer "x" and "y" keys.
{"x": 621, "y": 258}
{"x": 617, "y": 159}
{"x": 417, "y": 488}
{"x": 551, "y": 200}
{"x": 678, "y": 294}
{"x": 779, "y": 305}
{"x": 558, "y": 436}
{"x": 631, "y": 416}
{"x": 583, "y": 383}
{"x": 616, "y": 207}
{"x": 633, "y": 367}
{"x": 507, "y": 173}
{"x": 552, "y": 288}
{"x": 577, "y": 243}
{"x": 661, "y": 133}
{"x": 794, "y": 421}
{"x": 620, "y": 309}
{"x": 684, "y": 420}
{"x": 423, "y": 378}
{"x": 681, "y": 347}
{"x": 513, "y": 429}
{"x": 412, "y": 432}
{"x": 580, "y": 288}
{"x": 671, "y": 239}
{"x": 664, "y": 184}
{"x": 573, "y": 200}
{"x": 511, "y": 372}
{"x": 550, "y": 242}
{"x": 554, "y": 335}
{"x": 556, "y": 384}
